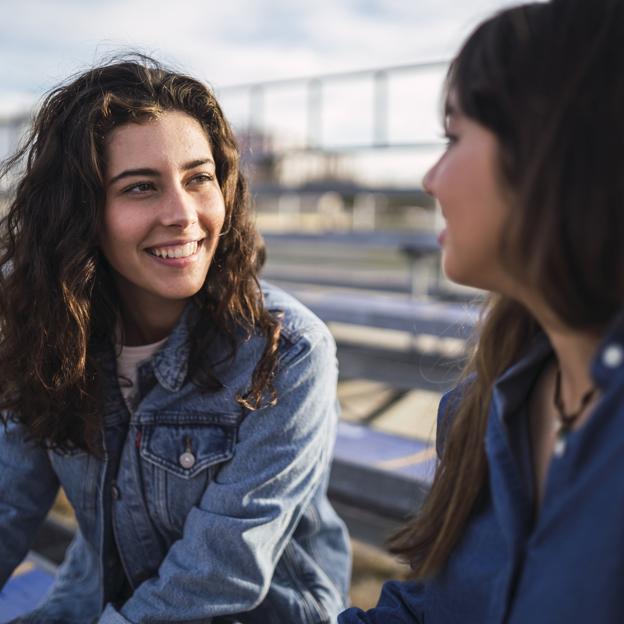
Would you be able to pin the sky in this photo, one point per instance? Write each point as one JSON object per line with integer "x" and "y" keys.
{"x": 225, "y": 42}
{"x": 230, "y": 42}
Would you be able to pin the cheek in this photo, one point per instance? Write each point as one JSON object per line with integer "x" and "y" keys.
{"x": 214, "y": 216}
{"x": 219, "y": 219}
{"x": 471, "y": 255}
{"x": 454, "y": 191}
{"x": 119, "y": 230}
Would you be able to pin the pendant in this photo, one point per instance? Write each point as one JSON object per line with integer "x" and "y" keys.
{"x": 561, "y": 439}
{"x": 560, "y": 446}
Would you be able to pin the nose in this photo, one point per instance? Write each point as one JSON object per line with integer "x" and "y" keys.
{"x": 429, "y": 179}
{"x": 178, "y": 208}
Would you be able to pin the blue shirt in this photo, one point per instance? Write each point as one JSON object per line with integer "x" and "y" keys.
{"x": 211, "y": 510}
{"x": 564, "y": 566}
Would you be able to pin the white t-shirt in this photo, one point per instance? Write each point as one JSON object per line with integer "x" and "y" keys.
{"x": 128, "y": 362}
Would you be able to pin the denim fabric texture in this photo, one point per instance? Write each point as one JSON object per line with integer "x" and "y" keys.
{"x": 566, "y": 564}
{"x": 239, "y": 531}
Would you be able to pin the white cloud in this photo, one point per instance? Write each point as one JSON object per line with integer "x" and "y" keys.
{"x": 239, "y": 41}
{"x": 227, "y": 42}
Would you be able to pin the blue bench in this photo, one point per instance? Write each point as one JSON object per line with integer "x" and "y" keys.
{"x": 378, "y": 479}
{"x": 447, "y": 320}
{"x": 402, "y": 369}
{"x": 413, "y": 246}
{"x": 25, "y": 588}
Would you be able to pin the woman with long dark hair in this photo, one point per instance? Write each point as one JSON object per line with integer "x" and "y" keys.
{"x": 525, "y": 518}
{"x": 187, "y": 410}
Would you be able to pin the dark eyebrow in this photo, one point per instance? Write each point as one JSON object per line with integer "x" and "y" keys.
{"x": 197, "y": 163}
{"x": 128, "y": 173}
{"x": 153, "y": 173}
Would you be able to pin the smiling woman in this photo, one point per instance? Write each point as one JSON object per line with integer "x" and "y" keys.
{"x": 187, "y": 410}
{"x": 162, "y": 219}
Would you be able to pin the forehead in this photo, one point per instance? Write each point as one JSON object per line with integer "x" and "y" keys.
{"x": 171, "y": 137}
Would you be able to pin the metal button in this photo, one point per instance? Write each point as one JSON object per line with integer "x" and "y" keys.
{"x": 116, "y": 494}
{"x": 187, "y": 460}
{"x": 613, "y": 356}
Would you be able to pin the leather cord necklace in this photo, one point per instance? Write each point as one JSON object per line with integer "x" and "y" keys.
{"x": 565, "y": 421}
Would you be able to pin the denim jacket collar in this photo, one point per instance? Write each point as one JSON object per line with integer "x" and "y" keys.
{"x": 170, "y": 364}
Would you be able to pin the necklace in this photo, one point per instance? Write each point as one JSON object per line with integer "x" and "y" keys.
{"x": 565, "y": 422}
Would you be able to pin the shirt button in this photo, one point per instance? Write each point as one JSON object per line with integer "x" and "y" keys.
{"x": 187, "y": 460}
{"x": 116, "y": 494}
{"x": 613, "y": 356}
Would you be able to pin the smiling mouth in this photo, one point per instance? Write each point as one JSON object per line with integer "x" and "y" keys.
{"x": 176, "y": 251}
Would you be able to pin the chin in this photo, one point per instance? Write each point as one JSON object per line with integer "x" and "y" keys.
{"x": 182, "y": 295}
{"x": 456, "y": 272}
{"x": 482, "y": 280}
{"x": 178, "y": 292}
{"x": 478, "y": 273}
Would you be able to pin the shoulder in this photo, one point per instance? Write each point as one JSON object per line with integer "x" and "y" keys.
{"x": 305, "y": 345}
{"x": 299, "y": 326}
{"x": 447, "y": 409}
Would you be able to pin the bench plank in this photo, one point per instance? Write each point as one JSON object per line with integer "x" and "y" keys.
{"x": 445, "y": 320}
{"x": 25, "y": 589}
{"x": 378, "y": 480}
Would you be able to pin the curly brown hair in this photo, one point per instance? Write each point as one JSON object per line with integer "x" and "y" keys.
{"x": 58, "y": 305}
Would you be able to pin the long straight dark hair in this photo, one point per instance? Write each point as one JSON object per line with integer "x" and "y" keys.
{"x": 546, "y": 79}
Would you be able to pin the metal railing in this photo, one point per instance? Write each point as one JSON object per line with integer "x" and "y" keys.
{"x": 249, "y": 108}
{"x": 317, "y": 106}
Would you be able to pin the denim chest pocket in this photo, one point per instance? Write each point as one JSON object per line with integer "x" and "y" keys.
{"x": 179, "y": 457}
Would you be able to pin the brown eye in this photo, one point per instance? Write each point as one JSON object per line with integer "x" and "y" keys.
{"x": 202, "y": 178}
{"x": 140, "y": 187}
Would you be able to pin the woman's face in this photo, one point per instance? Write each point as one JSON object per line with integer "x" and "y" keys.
{"x": 163, "y": 214}
{"x": 466, "y": 185}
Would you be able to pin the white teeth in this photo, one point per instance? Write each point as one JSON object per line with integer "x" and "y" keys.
{"x": 180, "y": 251}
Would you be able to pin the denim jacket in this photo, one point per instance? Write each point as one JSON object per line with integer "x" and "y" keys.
{"x": 219, "y": 514}
{"x": 511, "y": 566}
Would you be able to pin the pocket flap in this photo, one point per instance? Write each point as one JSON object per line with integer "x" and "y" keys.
{"x": 186, "y": 449}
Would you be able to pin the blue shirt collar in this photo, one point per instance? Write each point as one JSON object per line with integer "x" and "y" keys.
{"x": 608, "y": 364}
{"x": 512, "y": 387}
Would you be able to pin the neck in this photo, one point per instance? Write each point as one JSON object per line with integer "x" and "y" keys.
{"x": 146, "y": 326}
{"x": 146, "y": 317}
{"x": 575, "y": 351}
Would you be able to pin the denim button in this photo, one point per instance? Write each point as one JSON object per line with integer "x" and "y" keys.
{"x": 187, "y": 460}
{"x": 613, "y": 356}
